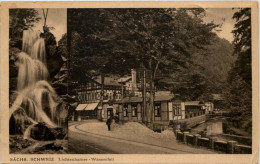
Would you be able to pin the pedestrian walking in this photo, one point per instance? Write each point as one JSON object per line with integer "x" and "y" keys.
{"x": 109, "y": 120}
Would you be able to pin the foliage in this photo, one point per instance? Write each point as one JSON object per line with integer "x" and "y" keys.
{"x": 206, "y": 75}
{"x": 19, "y": 20}
{"x": 94, "y": 44}
{"x": 160, "y": 40}
{"x": 242, "y": 43}
{"x": 239, "y": 93}
{"x": 62, "y": 46}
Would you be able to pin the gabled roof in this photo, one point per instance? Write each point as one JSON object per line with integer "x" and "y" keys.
{"x": 193, "y": 103}
{"x": 124, "y": 79}
{"x": 107, "y": 81}
{"x": 131, "y": 100}
{"x": 163, "y": 98}
{"x": 140, "y": 99}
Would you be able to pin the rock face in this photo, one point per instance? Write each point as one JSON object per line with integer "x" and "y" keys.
{"x": 41, "y": 132}
{"x": 20, "y": 146}
{"x": 17, "y": 123}
{"x": 54, "y": 60}
{"x": 13, "y": 69}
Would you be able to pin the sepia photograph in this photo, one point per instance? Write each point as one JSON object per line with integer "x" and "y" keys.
{"x": 160, "y": 80}
{"x": 129, "y": 82}
{"x": 38, "y": 81}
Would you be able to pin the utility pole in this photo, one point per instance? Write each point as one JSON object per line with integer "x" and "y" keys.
{"x": 144, "y": 98}
{"x": 102, "y": 96}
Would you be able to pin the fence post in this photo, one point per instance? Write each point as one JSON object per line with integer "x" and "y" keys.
{"x": 211, "y": 142}
{"x": 185, "y": 136}
{"x": 176, "y": 131}
{"x": 196, "y": 136}
{"x": 179, "y": 136}
{"x": 231, "y": 146}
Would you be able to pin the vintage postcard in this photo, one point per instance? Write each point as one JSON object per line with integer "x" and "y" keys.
{"x": 129, "y": 82}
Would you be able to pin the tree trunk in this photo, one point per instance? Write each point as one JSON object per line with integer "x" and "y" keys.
{"x": 144, "y": 99}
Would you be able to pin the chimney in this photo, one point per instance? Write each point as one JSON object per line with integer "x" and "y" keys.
{"x": 133, "y": 73}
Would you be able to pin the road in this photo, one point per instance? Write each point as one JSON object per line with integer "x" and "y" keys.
{"x": 83, "y": 142}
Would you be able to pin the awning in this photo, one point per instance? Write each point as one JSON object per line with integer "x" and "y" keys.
{"x": 81, "y": 107}
{"x": 90, "y": 106}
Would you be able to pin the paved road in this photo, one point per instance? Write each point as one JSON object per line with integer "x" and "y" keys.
{"x": 82, "y": 142}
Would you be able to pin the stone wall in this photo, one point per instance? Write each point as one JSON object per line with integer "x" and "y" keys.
{"x": 230, "y": 147}
{"x": 239, "y": 139}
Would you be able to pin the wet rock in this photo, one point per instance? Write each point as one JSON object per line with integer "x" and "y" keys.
{"x": 17, "y": 122}
{"x": 54, "y": 59}
{"x": 54, "y": 64}
{"x": 59, "y": 133}
{"x": 39, "y": 146}
{"x": 45, "y": 133}
{"x": 58, "y": 145}
{"x": 42, "y": 132}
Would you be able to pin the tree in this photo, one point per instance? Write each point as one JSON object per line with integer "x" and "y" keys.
{"x": 164, "y": 40}
{"x": 160, "y": 40}
{"x": 19, "y": 20}
{"x": 94, "y": 45}
{"x": 206, "y": 75}
{"x": 239, "y": 94}
{"x": 242, "y": 43}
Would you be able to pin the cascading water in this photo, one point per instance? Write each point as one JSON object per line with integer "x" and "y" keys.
{"x": 29, "y": 38}
{"x": 34, "y": 94}
{"x": 38, "y": 51}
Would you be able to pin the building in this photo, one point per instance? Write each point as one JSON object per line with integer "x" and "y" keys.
{"x": 89, "y": 95}
{"x": 123, "y": 99}
{"x": 131, "y": 84}
{"x": 209, "y": 106}
{"x": 166, "y": 109}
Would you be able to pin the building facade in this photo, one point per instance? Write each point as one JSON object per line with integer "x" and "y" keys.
{"x": 89, "y": 96}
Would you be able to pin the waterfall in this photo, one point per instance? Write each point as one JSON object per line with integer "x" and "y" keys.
{"x": 34, "y": 94}
{"x": 30, "y": 71}
{"x": 38, "y": 51}
{"x": 29, "y": 38}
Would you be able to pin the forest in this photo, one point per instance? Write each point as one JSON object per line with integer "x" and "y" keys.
{"x": 179, "y": 52}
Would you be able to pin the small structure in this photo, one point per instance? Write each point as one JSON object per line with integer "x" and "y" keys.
{"x": 86, "y": 111}
{"x": 209, "y": 107}
{"x": 193, "y": 109}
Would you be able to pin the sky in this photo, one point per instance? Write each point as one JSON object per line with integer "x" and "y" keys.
{"x": 222, "y": 16}
{"x": 57, "y": 18}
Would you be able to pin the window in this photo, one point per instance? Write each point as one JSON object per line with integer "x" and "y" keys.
{"x": 93, "y": 96}
{"x": 157, "y": 110}
{"x": 80, "y": 97}
{"x": 134, "y": 110}
{"x": 86, "y": 96}
{"x": 176, "y": 108}
{"x": 125, "y": 111}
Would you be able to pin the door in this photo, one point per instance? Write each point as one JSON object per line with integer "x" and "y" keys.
{"x": 109, "y": 112}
